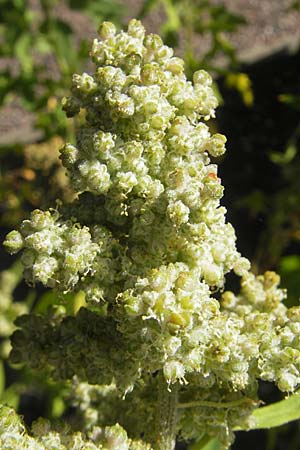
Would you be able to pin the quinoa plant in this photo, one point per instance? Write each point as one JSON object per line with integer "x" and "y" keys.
{"x": 160, "y": 348}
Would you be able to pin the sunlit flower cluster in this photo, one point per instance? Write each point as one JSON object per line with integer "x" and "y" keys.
{"x": 148, "y": 243}
{"x": 13, "y": 435}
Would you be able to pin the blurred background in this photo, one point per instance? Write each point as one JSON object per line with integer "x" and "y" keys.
{"x": 252, "y": 49}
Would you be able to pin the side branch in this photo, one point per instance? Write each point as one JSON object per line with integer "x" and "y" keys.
{"x": 209, "y": 404}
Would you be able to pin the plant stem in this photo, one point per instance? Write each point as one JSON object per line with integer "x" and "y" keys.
{"x": 166, "y": 415}
{"x": 210, "y": 404}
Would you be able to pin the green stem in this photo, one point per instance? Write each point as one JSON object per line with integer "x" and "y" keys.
{"x": 166, "y": 415}
{"x": 209, "y": 404}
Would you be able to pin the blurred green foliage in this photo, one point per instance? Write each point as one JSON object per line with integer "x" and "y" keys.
{"x": 42, "y": 44}
{"x": 279, "y": 208}
{"x": 186, "y": 19}
{"x": 202, "y": 30}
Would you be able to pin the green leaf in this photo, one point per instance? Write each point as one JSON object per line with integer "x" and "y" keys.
{"x": 173, "y": 22}
{"x": 42, "y": 45}
{"x": 217, "y": 93}
{"x": 10, "y": 397}
{"x": 65, "y": 52}
{"x": 290, "y": 263}
{"x": 290, "y": 99}
{"x": 19, "y": 4}
{"x": 289, "y": 269}
{"x": 206, "y": 444}
{"x": 284, "y": 158}
{"x": 22, "y": 49}
{"x": 57, "y": 407}
{"x": 48, "y": 299}
{"x": 100, "y": 10}
{"x": 223, "y": 20}
{"x": 277, "y": 414}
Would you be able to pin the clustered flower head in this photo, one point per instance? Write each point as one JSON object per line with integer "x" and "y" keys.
{"x": 148, "y": 243}
{"x": 13, "y": 435}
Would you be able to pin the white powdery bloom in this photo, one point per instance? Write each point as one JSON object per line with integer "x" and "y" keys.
{"x": 127, "y": 181}
{"x": 178, "y": 212}
{"x": 43, "y": 241}
{"x": 171, "y": 345}
{"x": 95, "y": 175}
{"x": 43, "y": 269}
{"x": 121, "y": 104}
{"x": 110, "y": 77}
{"x": 115, "y": 438}
{"x": 287, "y": 381}
{"x": 14, "y": 242}
{"x": 84, "y": 83}
{"x": 69, "y": 154}
{"x": 103, "y": 143}
{"x": 212, "y": 274}
{"x": 174, "y": 371}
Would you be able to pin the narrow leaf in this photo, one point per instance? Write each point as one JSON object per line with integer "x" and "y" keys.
{"x": 278, "y": 413}
{"x": 173, "y": 22}
{"x": 285, "y": 157}
{"x": 23, "y": 48}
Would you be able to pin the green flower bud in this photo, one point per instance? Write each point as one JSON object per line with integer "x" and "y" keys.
{"x": 13, "y": 242}
{"x": 107, "y": 30}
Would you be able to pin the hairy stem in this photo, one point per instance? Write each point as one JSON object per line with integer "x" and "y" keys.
{"x": 166, "y": 415}
{"x": 209, "y": 404}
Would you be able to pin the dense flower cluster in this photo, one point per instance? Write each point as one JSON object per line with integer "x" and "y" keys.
{"x": 97, "y": 405}
{"x": 13, "y": 435}
{"x": 87, "y": 345}
{"x": 148, "y": 243}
